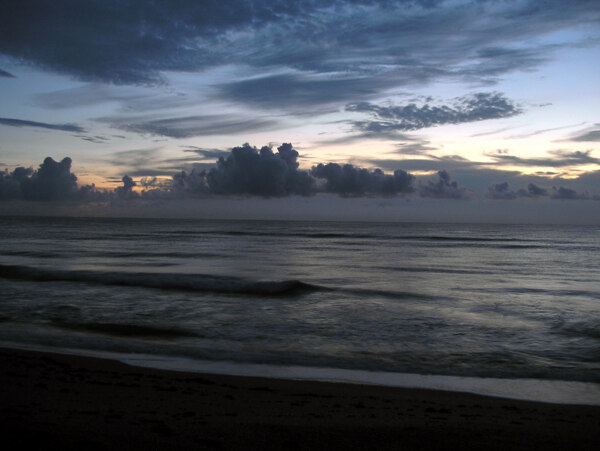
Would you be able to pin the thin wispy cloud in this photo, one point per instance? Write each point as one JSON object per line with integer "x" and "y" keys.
{"x": 189, "y": 126}
{"x": 11, "y": 122}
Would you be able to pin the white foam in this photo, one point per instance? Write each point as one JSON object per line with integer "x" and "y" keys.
{"x": 540, "y": 390}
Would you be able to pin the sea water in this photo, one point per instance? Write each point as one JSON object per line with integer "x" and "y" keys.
{"x": 508, "y": 302}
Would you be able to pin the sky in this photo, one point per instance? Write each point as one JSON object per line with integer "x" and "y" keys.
{"x": 457, "y": 111}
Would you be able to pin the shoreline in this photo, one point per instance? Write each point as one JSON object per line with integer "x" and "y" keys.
{"x": 550, "y": 391}
{"x": 57, "y": 400}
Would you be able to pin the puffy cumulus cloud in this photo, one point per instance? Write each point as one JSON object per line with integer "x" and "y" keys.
{"x": 444, "y": 188}
{"x": 350, "y": 181}
{"x": 501, "y": 191}
{"x": 476, "y": 107}
{"x": 52, "y": 181}
{"x": 247, "y": 170}
{"x": 126, "y": 191}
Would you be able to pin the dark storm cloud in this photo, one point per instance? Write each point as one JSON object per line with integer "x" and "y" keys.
{"x": 352, "y": 42}
{"x": 501, "y": 191}
{"x": 351, "y": 181}
{"x": 444, "y": 188}
{"x": 476, "y": 107}
{"x": 189, "y": 126}
{"x": 248, "y": 170}
{"x": 52, "y": 181}
{"x": 126, "y": 191}
{"x": 3, "y": 73}
{"x": 22, "y": 123}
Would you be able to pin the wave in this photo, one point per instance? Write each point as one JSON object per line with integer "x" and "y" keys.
{"x": 167, "y": 281}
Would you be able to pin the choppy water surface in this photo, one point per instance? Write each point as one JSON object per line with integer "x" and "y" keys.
{"x": 471, "y": 300}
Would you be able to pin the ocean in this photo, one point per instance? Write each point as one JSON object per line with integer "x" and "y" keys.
{"x": 446, "y": 301}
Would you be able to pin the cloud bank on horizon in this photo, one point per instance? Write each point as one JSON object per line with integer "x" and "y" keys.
{"x": 249, "y": 171}
{"x": 381, "y": 98}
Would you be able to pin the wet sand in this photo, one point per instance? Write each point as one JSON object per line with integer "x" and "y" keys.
{"x": 53, "y": 401}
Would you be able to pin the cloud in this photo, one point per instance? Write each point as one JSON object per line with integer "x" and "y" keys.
{"x": 3, "y": 73}
{"x": 501, "y": 191}
{"x": 351, "y": 181}
{"x": 189, "y": 126}
{"x": 476, "y": 107}
{"x": 22, "y": 123}
{"x": 126, "y": 191}
{"x": 207, "y": 153}
{"x": 561, "y": 159}
{"x": 592, "y": 135}
{"x": 52, "y": 181}
{"x": 567, "y": 194}
{"x": 248, "y": 170}
{"x": 285, "y": 90}
{"x": 392, "y": 43}
{"x": 445, "y": 188}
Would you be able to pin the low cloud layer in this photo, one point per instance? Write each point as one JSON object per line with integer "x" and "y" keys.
{"x": 502, "y": 191}
{"x": 444, "y": 188}
{"x": 249, "y": 171}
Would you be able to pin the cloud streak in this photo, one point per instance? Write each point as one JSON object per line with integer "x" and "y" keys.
{"x": 190, "y": 126}
{"x": 24, "y": 123}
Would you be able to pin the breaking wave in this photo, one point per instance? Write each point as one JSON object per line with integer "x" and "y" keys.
{"x": 167, "y": 281}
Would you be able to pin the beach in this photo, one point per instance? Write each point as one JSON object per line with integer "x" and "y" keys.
{"x": 54, "y": 401}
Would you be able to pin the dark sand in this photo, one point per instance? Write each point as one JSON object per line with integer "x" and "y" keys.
{"x": 53, "y": 401}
